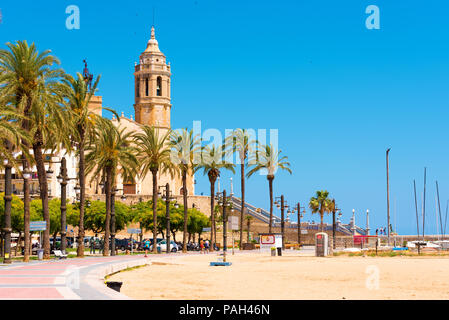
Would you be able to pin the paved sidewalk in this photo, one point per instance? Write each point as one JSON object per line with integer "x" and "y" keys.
{"x": 58, "y": 279}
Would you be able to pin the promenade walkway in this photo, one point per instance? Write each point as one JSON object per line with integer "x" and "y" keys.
{"x": 62, "y": 279}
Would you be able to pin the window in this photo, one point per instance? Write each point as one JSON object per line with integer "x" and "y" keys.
{"x": 159, "y": 87}
{"x": 146, "y": 87}
{"x": 138, "y": 88}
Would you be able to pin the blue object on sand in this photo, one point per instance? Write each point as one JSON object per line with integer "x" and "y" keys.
{"x": 218, "y": 264}
{"x": 400, "y": 249}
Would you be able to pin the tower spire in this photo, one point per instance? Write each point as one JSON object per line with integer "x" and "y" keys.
{"x": 153, "y": 36}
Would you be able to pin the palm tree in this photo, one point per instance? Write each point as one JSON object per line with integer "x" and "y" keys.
{"x": 110, "y": 150}
{"x": 82, "y": 123}
{"x": 239, "y": 141}
{"x": 321, "y": 204}
{"x": 248, "y": 225}
{"x": 212, "y": 162}
{"x": 185, "y": 154}
{"x": 268, "y": 161}
{"x": 153, "y": 156}
{"x": 28, "y": 80}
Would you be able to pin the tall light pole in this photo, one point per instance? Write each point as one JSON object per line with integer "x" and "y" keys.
{"x": 114, "y": 191}
{"x": 353, "y": 222}
{"x": 8, "y": 199}
{"x": 167, "y": 197}
{"x": 334, "y": 226}
{"x": 388, "y": 197}
{"x": 62, "y": 179}
{"x": 298, "y": 209}
{"x": 367, "y": 222}
{"x": 224, "y": 202}
{"x": 283, "y": 206}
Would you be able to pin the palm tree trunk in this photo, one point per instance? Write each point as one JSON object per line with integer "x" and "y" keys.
{"x": 249, "y": 224}
{"x": 270, "y": 186}
{"x": 82, "y": 182}
{"x": 26, "y": 186}
{"x": 26, "y": 214}
{"x": 154, "y": 173}
{"x": 43, "y": 186}
{"x": 321, "y": 217}
{"x": 184, "y": 195}
{"x": 242, "y": 209}
{"x": 107, "y": 231}
{"x": 213, "y": 231}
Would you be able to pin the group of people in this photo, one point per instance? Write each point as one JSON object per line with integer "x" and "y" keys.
{"x": 204, "y": 246}
{"x": 92, "y": 244}
{"x": 381, "y": 231}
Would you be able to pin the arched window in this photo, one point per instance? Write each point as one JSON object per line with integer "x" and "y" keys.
{"x": 159, "y": 87}
{"x": 138, "y": 88}
{"x": 146, "y": 87}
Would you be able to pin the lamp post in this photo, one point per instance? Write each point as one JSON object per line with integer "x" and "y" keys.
{"x": 367, "y": 222}
{"x": 283, "y": 206}
{"x": 113, "y": 220}
{"x": 334, "y": 227}
{"x": 224, "y": 202}
{"x": 8, "y": 199}
{"x": 353, "y": 222}
{"x": 388, "y": 198}
{"x": 167, "y": 197}
{"x": 298, "y": 209}
{"x": 63, "y": 180}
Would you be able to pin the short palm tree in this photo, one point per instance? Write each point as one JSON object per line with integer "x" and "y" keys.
{"x": 321, "y": 204}
{"x": 240, "y": 142}
{"x": 185, "y": 155}
{"x": 154, "y": 156}
{"x": 31, "y": 85}
{"x": 212, "y": 161}
{"x": 268, "y": 161}
{"x": 111, "y": 150}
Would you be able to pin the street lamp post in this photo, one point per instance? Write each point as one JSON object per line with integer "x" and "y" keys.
{"x": 283, "y": 206}
{"x": 367, "y": 222}
{"x": 334, "y": 226}
{"x": 167, "y": 198}
{"x": 62, "y": 178}
{"x": 224, "y": 202}
{"x": 353, "y": 222}
{"x": 113, "y": 220}
{"x": 8, "y": 199}
{"x": 388, "y": 198}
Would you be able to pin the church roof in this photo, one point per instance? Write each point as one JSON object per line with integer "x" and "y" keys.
{"x": 152, "y": 45}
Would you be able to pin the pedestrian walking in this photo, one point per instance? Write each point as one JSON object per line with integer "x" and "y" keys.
{"x": 92, "y": 245}
{"x": 201, "y": 245}
{"x": 206, "y": 245}
{"x": 146, "y": 246}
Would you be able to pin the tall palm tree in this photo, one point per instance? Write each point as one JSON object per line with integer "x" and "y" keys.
{"x": 321, "y": 204}
{"x": 111, "y": 150}
{"x": 82, "y": 123}
{"x": 241, "y": 143}
{"x": 212, "y": 161}
{"x": 185, "y": 154}
{"x": 269, "y": 160}
{"x": 154, "y": 156}
{"x": 28, "y": 79}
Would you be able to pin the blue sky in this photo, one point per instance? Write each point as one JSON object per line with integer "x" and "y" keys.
{"x": 339, "y": 94}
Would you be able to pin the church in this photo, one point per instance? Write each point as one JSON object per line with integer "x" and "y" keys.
{"x": 152, "y": 107}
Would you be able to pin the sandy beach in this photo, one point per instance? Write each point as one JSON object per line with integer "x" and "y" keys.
{"x": 292, "y": 276}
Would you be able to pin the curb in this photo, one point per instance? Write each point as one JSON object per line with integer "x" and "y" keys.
{"x": 95, "y": 278}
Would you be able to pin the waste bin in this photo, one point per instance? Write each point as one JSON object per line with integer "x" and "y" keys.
{"x": 279, "y": 251}
{"x": 115, "y": 285}
{"x": 321, "y": 244}
{"x": 40, "y": 254}
{"x": 159, "y": 250}
{"x": 273, "y": 252}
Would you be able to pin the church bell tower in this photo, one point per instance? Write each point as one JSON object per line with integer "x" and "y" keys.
{"x": 152, "y": 87}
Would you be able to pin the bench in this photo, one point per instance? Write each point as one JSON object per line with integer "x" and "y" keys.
{"x": 60, "y": 255}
